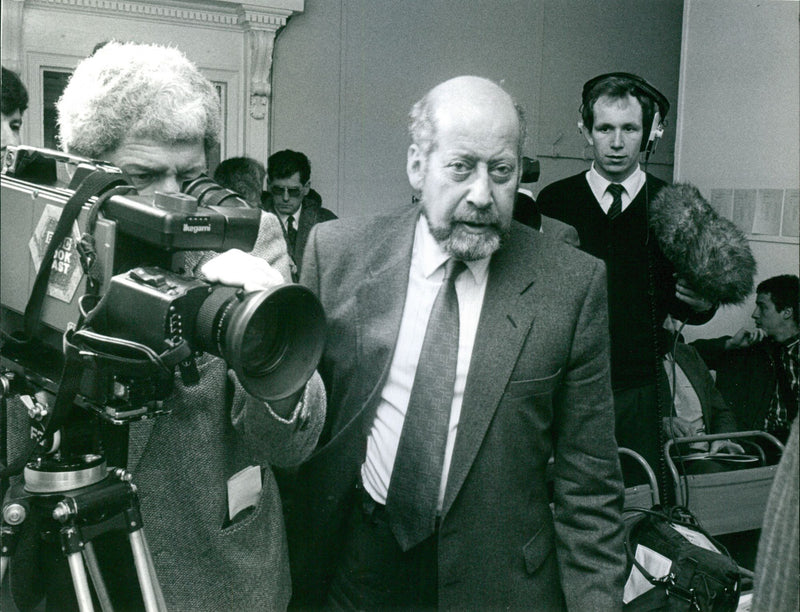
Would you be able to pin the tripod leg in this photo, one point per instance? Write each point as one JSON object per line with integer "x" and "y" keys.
{"x": 80, "y": 582}
{"x": 144, "y": 569}
{"x": 156, "y": 585}
{"x": 99, "y": 584}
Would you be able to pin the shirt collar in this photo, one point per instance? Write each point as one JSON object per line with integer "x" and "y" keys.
{"x": 792, "y": 342}
{"x": 599, "y": 184}
{"x": 295, "y": 216}
{"x": 431, "y": 256}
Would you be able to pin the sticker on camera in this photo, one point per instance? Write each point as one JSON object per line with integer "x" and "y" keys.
{"x": 65, "y": 271}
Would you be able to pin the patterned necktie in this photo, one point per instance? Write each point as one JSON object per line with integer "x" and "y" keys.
{"x": 417, "y": 474}
{"x": 291, "y": 233}
{"x": 615, "y": 189}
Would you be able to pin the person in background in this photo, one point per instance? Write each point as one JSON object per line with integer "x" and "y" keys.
{"x": 609, "y": 206}
{"x": 244, "y": 175}
{"x": 464, "y": 349}
{"x": 13, "y": 104}
{"x": 697, "y": 406}
{"x": 758, "y": 371}
{"x": 148, "y": 110}
{"x": 527, "y": 213}
{"x": 289, "y": 196}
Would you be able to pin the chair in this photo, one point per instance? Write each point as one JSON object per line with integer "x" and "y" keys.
{"x": 641, "y": 495}
{"x": 729, "y": 501}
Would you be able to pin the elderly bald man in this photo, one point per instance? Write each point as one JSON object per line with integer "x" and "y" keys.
{"x": 464, "y": 350}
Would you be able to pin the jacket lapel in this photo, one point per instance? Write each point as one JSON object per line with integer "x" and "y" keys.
{"x": 304, "y": 224}
{"x": 380, "y": 300}
{"x": 508, "y": 311}
{"x": 693, "y": 371}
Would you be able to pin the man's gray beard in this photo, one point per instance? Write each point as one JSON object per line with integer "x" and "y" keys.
{"x": 463, "y": 245}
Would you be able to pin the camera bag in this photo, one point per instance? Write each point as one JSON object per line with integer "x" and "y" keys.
{"x": 674, "y": 565}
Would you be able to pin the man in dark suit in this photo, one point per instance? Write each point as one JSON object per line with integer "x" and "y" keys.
{"x": 372, "y": 523}
{"x": 621, "y": 117}
{"x": 290, "y": 197}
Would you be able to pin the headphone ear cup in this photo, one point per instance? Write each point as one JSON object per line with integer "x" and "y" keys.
{"x": 655, "y": 132}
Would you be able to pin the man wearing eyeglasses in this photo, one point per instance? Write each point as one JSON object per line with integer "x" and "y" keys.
{"x": 290, "y": 197}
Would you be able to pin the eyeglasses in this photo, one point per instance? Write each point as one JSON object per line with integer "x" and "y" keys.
{"x": 292, "y": 191}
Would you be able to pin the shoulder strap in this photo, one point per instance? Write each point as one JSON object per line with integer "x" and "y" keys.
{"x": 94, "y": 184}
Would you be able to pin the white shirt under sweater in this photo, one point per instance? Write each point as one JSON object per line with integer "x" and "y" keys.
{"x": 599, "y": 186}
{"x": 425, "y": 278}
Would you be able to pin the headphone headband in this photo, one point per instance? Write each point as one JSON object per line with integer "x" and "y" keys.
{"x": 659, "y": 98}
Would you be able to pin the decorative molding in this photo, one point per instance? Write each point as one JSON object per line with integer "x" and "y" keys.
{"x": 225, "y": 15}
{"x": 12, "y": 34}
{"x": 262, "y": 43}
{"x": 258, "y": 20}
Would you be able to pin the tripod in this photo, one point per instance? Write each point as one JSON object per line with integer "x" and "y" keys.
{"x": 78, "y": 502}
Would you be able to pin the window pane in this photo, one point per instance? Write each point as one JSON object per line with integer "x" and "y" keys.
{"x": 53, "y": 84}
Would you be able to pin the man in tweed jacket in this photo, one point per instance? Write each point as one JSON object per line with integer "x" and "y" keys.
{"x": 156, "y": 117}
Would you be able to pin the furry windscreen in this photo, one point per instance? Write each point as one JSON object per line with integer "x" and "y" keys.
{"x": 709, "y": 251}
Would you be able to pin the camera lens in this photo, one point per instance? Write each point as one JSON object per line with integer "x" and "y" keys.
{"x": 210, "y": 193}
{"x": 272, "y": 339}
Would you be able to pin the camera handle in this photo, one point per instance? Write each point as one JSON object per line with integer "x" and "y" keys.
{"x": 84, "y": 513}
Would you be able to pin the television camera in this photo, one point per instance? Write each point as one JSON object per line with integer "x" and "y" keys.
{"x": 97, "y": 314}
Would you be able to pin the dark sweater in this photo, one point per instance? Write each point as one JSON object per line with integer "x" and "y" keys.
{"x": 626, "y": 246}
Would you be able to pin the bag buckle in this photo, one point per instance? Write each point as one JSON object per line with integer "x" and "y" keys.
{"x": 673, "y": 589}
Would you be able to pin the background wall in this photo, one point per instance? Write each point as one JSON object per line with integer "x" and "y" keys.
{"x": 739, "y": 121}
{"x": 346, "y": 72}
{"x": 230, "y": 41}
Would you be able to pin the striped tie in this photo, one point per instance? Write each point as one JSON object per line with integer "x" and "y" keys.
{"x": 615, "y": 189}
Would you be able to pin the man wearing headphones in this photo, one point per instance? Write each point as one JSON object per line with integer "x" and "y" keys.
{"x": 622, "y": 118}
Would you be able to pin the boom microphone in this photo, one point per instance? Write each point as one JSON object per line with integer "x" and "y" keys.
{"x": 709, "y": 251}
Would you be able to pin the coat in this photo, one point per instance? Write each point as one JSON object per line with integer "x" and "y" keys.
{"x": 311, "y": 213}
{"x": 538, "y": 385}
{"x": 182, "y": 463}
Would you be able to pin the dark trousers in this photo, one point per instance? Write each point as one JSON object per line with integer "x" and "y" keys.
{"x": 374, "y": 573}
{"x": 637, "y": 427}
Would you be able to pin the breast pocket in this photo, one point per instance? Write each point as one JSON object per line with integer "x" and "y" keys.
{"x": 535, "y": 386}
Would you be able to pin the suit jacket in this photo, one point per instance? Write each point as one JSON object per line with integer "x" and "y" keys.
{"x": 311, "y": 213}
{"x": 538, "y": 384}
{"x": 717, "y": 415}
{"x": 559, "y": 230}
{"x": 526, "y": 212}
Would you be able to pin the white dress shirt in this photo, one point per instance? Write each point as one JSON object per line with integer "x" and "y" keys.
{"x": 425, "y": 278}
{"x": 599, "y": 186}
{"x": 284, "y": 218}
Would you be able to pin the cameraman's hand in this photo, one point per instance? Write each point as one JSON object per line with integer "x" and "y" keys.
{"x": 239, "y": 269}
{"x": 744, "y": 338}
{"x": 688, "y": 295}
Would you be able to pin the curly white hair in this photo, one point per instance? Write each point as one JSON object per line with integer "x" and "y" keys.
{"x": 136, "y": 90}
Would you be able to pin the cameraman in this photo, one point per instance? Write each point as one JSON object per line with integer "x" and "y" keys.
{"x": 149, "y": 111}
